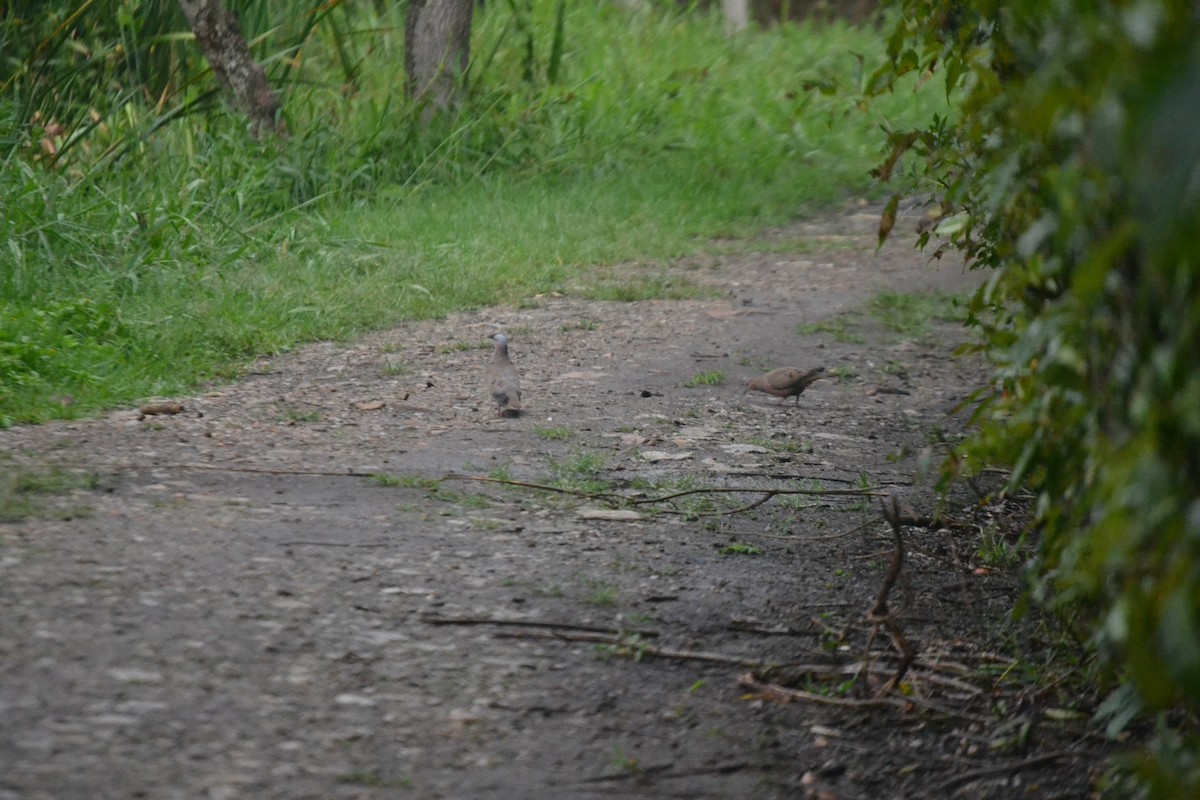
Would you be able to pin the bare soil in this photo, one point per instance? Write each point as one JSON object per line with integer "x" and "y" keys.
{"x": 240, "y": 610}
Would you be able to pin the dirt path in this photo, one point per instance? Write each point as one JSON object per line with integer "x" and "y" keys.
{"x": 237, "y": 610}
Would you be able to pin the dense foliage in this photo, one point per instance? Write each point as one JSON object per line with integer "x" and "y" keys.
{"x": 1073, "y": 172}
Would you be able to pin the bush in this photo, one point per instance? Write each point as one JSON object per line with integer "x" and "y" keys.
{"x": 1073, "y": 171}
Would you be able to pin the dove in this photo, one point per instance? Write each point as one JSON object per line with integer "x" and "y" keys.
{"x": 784, "y": 382}
{"x": 503, "y": 380}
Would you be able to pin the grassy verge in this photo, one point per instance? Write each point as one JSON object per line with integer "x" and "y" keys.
{"x": 202, "y": 249}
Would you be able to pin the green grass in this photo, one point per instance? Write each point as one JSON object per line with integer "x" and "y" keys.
{"x": 738, "y": 549}
{"x": 600, "y": 593}
{"x": 458, "y": 347}
{"x": 836, "y": 327}
{"x": 383, "y": 479}
{"x": 292, "y": 416}
{"x": 33, "y": 492}
{"x": 843, "y": 374}
{"x": 202, "y": 249}
{"x": 553, "y": 434}
{"x": 910, "y": 314}
{"x": 714, "y": 378}
{"x": 583, "y": 471}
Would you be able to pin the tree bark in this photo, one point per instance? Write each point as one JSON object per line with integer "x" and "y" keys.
{"x": 437, "y": 47}
{"x": 220, "y": 38}
{"x": 737, "y": 15}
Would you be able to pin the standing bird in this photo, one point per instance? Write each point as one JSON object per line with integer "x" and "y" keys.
{"x": 785, "y": 382}
{"x": 503, "y": 379}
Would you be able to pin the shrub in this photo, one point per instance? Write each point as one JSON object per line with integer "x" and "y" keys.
{"x": 1072, "y": 170}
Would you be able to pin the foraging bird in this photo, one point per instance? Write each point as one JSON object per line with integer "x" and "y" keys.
{"x": 503, "y": 379}
{"x": 785, "y": 382}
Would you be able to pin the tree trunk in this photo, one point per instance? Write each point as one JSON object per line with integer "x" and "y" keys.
{"x": 220, "y": 38}
{"x": 737, "y": 15}
{"x": 437, "y": 46}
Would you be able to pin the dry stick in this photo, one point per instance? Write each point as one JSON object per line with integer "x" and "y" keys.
{"x": 882, "y": 701}
{"x": 621, "y": 500}
{"x": 879, "y": 614}
{"x": 335, "y": 544}
{"x": 767, "y": 495}
{"x": 962, "y": 579}
{"x": 561, "y": 635}
{"x": 775, "y": 690}
{"x": 843, "y": 533}
{"x": 346, "y": 473}
{"x": 432, "y": 619}
{"x": 597, "y": 635}
{"x": 754, "y": 490}
{"x": 642, "y": 649}
{"x": 665, "y": 771}
{"x": 543, "y": 487}
{"x": 1003, "y": 769}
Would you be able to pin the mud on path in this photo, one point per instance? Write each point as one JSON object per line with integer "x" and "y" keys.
{"x": 239, "y": 610}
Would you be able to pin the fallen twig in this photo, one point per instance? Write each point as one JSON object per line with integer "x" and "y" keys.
{"x": 640, "y": 648}
{"x": 855, "y": 529}
{"x": 775, "y": 691}
{"x": 607, "y": 496}
{"x": 787, "y": 694}
{"x": 433, "y": 619}
{"x": 879, "y": 614}
{"x": 336, "y": 544}
{"x": 664, "y": 771}
{"x": 617, "y": 500}
{"x": 1003, "y": 769}
{"x": 869, "y": 492}
{"x": 348, "y": 472}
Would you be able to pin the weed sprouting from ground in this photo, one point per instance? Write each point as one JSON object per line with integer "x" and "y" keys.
{"x": 296, "y": 415}
{"x": 580, "y": 472}
{"x": 837, "y": 328}
{"x": 382, "y": 479}
{"x": 714, "y": 378}
{"x": 739, "y": 549}
{"x": 458, "y": 347}
{"x": 553, "y": 434}
{"x": 843, "y": 374}
{"x": 500, "y": 473}
{"x": 24, "y": 493}
{"x": 910, "y": 314}
{"x": 600, "y": 593}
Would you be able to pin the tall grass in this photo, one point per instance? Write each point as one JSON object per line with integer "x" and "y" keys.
{"x": 630, "y": 135}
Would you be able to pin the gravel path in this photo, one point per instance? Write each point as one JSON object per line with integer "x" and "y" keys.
{"x": 298, "y": 587}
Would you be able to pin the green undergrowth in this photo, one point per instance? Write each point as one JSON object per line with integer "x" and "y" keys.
{"x": 905, "y": 314}
{"x": 26, "y": 493}
{"x": 154, "y": 252}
